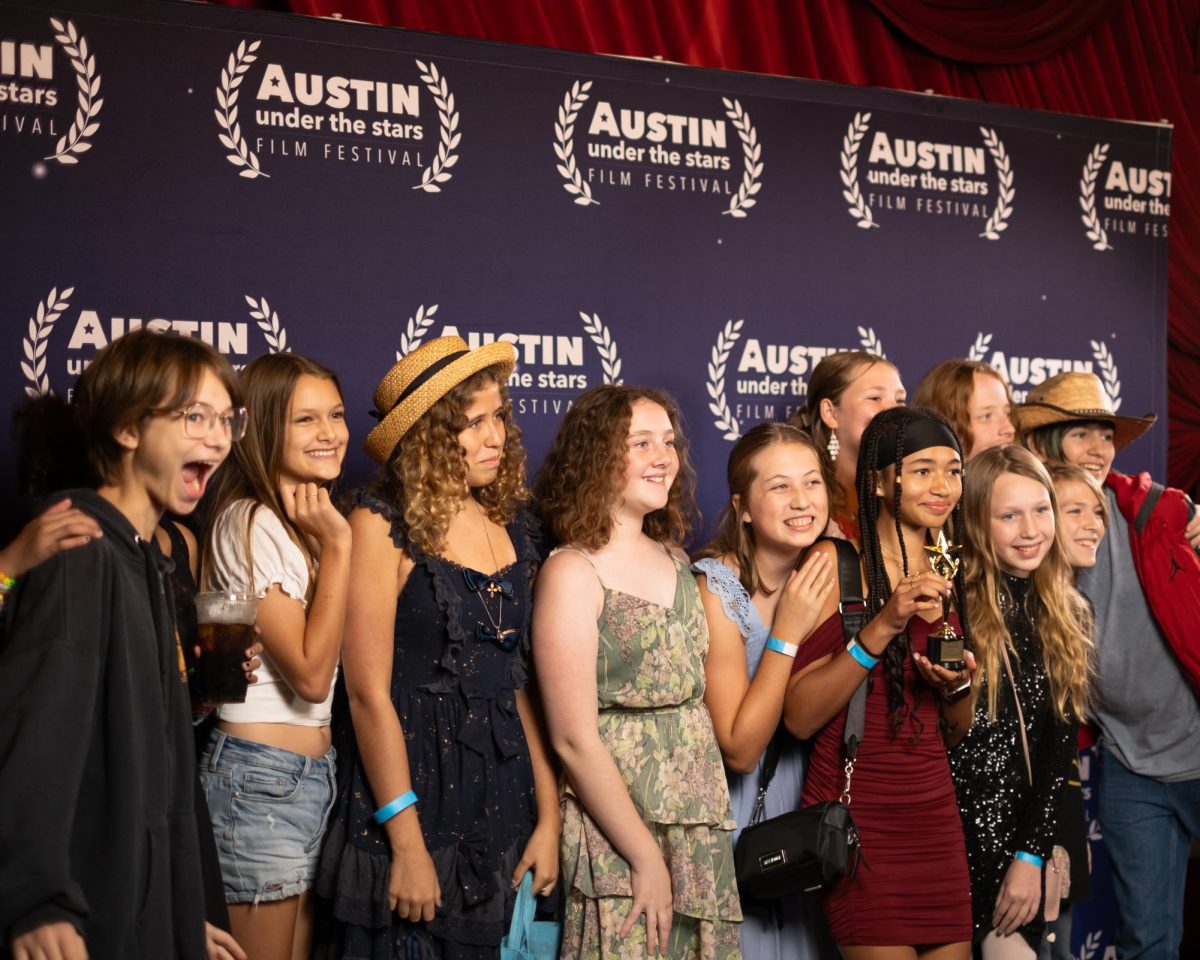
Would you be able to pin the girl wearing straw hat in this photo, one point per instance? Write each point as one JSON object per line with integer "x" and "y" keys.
{"x": 1148, "y": 715}
{"x": 439, "y": 818}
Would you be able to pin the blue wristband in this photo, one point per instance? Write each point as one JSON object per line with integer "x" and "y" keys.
{"x": 779, "y": 646}
{"x": 1029, "y": 858}
{"x": 859, "y": 653}
{"x": 402, "y": 802}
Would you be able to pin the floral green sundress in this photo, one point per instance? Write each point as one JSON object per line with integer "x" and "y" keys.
{"x": 650, "y": 684}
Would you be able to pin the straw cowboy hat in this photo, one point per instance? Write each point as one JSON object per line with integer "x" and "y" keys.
{"x": 420, "y": 379}
{"x": 1077, "y": 396}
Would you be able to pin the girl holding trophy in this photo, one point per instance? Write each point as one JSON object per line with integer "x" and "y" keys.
{"x": 914, "y": 900}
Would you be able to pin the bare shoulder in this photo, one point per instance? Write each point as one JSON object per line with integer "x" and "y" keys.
{"x": 568, "y": 567}
{"x": 829, "y": 548}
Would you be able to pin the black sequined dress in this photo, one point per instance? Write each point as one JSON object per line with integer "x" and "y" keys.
{"x": 1001, "y": 812}
{"x": 454, "y": 690}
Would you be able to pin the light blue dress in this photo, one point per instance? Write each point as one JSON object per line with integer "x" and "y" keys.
{"x": 802, "y": 935}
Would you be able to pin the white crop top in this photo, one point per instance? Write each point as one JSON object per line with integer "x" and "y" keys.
{"x": 276, "y": 560}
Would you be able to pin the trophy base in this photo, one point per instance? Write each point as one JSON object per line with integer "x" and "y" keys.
{"x": 946, "y": 652}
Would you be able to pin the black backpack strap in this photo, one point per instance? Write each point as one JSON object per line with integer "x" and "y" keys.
{"x": 853, "y": 608}
{"x": 1153, "y": 495}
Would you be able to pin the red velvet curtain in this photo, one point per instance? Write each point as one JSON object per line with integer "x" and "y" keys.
{"x": 1123, "y": 59}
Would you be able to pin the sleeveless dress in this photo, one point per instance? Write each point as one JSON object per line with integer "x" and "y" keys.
{"x": 802, "y": 934}
{"x": 912, "y": 885}
{"x": 1001, "y": 812}
{"x": 454, "y": 690}
{"x": 650, "y": 685}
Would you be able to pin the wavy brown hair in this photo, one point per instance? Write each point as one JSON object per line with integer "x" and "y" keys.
{"x": 252, "y": 473}
{"x": 734, "y": 537}
{"x": 426, "y": 474}
{"x": 1061, "y": 614}
{"x": 582, "y": 476}
{"x": 948, "y": 389}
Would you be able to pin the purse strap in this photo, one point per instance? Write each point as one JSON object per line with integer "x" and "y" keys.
{"x": 853, "y": 610}
{"x": 1020, "y": 715}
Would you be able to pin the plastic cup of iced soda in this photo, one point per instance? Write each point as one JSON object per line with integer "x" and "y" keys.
{"x": 226, "y": 622}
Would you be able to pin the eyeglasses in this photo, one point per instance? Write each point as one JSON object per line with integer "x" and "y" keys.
{"x": 200, "y": 418}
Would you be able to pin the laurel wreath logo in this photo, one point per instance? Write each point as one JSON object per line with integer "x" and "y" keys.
{"x": 979, "y": 349}
{"x": 1108, "y": 371}
{"x": 37, "y": 338}
{"x": 85, "y": 123}
{"x": 564, "y": 146}
{"x": 605, "y": 346}
{"x": 743, "y": 200}
{"x": 998, "y": 221}
{"x": 438, "y": 171}
{"x": 268, "y": 323}
{"x": 725, "y": 420}
{"x": 418, "y": 325}
{"x": 1087, "y": 197}
{"x": 851, "y": 143}
{"x": 1090, "y": 945}
{"x": 232, "y": 74}
{"x": 870, "y": 342}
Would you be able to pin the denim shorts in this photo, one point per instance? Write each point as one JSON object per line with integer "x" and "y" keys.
{"x": 269, "y": 808}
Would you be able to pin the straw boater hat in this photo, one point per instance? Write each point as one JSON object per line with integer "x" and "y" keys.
{"x": 419, "y": 380}
{"x": 1078, "y": 396}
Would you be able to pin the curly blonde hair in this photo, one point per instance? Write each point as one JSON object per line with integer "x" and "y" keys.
{"x": 582, "y": 476}
{"x": 426, "y": 475}
{"x": 1061, "y": 613}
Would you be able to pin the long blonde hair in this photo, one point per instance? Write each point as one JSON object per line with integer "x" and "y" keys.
{"x": 1061, "y": 614}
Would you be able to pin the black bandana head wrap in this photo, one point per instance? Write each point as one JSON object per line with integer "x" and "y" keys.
{"x": 920, "y": 433}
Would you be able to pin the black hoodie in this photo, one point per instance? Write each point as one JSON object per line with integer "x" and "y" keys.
{"x": 96, "y": 759}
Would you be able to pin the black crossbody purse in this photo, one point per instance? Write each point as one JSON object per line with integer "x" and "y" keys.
{"x": 812, "y": 847}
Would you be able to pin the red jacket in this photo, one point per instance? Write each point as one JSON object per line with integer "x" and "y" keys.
{"x": 1167, "y": 566}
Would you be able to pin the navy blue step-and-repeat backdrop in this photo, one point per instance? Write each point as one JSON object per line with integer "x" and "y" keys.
{"x": 267, "y": 182}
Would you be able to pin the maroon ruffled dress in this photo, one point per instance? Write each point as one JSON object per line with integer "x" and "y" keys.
{"x": 912, "y": 886}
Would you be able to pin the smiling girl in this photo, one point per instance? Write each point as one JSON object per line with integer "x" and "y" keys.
{"x": 846, "y": 390}
{"x": 910, "y": 897}
{"x": 976, "y": 400}
{"x": 763, "y": 590}
{"x": 1030, "y": 627}
{"x": 621, "y": 642}
{"x": 268, "y": 769}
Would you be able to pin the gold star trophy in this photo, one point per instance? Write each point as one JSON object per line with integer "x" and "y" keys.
{"x": 945, "y": 646}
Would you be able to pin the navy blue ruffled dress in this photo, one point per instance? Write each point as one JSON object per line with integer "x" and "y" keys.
{"x": 454, "y": 689}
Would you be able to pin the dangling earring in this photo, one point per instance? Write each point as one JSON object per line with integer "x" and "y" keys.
{"x": 833, "y": 446}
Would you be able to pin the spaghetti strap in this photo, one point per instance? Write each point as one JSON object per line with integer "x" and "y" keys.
{"x": 591, "y": 564}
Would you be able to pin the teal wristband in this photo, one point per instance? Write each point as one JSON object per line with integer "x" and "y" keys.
{"x": 859, "y": 653}
{"x": 779, "y": 646}
{"x": 402, "y": 802}
{"x": 1029, "y": 858}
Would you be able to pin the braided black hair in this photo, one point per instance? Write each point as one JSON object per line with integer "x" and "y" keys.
{"x": 888, "y": 429}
